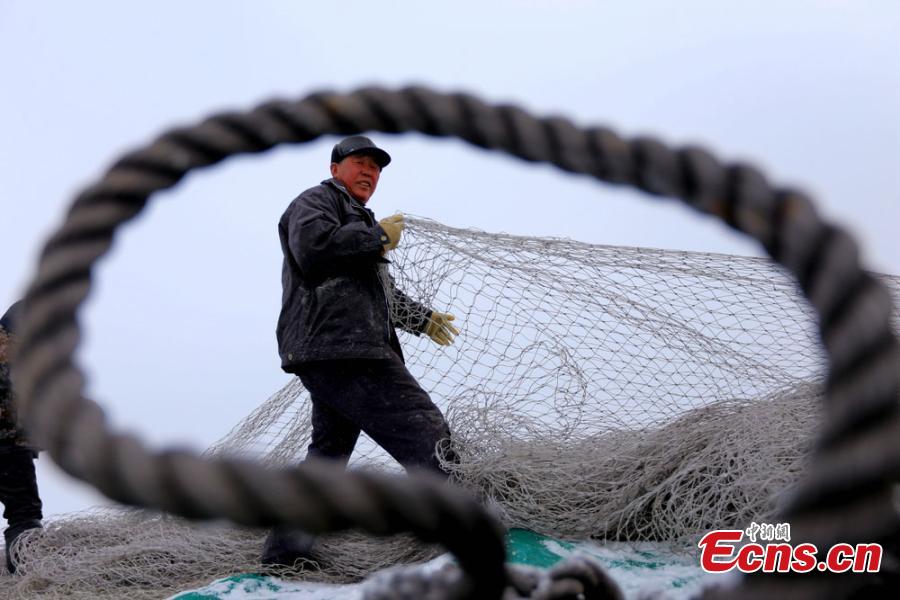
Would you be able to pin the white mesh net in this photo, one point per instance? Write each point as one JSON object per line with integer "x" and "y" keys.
{"x": 594, "y": 391}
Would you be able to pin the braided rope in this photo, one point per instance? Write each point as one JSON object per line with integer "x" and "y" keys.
{"x": 847, "y": 478}
{"x": 574, "y": 577}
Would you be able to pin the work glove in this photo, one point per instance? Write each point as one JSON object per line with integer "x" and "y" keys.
{"x": 393, "y": 227}
{"x": 439, "y": 328}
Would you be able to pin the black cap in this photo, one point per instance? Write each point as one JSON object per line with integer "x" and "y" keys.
{"x": 359, "y": 144}
{"x": 8, "y": 321}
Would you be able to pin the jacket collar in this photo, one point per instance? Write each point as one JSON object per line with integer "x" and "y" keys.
{"x": 340, "y": 187}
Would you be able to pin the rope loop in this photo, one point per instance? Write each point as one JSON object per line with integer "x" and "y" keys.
{"x": 862, "y": 393}
{"x": 575, "y": 578}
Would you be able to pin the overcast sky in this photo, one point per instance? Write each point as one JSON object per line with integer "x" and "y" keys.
{"x": 180, "y": 326}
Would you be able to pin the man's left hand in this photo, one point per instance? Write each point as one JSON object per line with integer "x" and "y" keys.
{"x": 439, "y": 328}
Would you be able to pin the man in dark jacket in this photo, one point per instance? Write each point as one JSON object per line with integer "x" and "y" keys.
{"x": 337, "y": 325}
{"x": 18, "y": 484}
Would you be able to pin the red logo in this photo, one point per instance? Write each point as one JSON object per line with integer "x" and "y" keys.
{"x": 722, "y": 550}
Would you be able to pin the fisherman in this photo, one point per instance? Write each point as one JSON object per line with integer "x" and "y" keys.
{"x": 18, "y": 484}
{"x": 336, "y": 330}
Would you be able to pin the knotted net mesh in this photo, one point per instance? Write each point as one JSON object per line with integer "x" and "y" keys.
{"x": 594, "y": 392}
{"x": 598, "y": 391}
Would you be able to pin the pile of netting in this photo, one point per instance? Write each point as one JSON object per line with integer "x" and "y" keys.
{"x": 594, "y": 392}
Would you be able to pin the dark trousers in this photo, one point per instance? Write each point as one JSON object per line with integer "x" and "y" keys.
{"x": 19, "y": 494}
{"x": 380, "y": 397}
{"x": 18, "y": 487}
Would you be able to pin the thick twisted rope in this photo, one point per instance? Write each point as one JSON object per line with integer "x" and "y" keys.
{"x": 847, "y": 496}
{"x": 574, "y": 577}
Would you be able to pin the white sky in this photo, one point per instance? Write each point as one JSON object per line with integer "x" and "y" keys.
{"x": 180, "y": 328}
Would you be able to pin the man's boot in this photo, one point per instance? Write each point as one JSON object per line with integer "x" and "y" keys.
{"x": 284, "y": 547}
{"x": 11, "y": 534}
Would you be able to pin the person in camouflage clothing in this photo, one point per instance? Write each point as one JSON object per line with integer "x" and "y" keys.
{"x": 18, "y": 484}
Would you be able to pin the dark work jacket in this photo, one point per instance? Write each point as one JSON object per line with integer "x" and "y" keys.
{"x": 337, "y": 299}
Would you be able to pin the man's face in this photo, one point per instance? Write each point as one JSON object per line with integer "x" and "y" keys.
{"x": 359, "y": 173}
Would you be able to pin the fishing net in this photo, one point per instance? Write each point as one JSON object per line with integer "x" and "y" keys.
{"x": 594, "y": 392}
{"x": 113, "y": 553}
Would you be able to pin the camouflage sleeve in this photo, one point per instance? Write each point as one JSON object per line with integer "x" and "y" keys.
{"x": 10, "y": 433}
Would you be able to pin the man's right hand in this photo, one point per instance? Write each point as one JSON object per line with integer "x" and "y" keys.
{"x": 393, "y": 227}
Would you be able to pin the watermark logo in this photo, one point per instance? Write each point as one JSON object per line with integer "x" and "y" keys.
{"x": 768, "y": 548}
